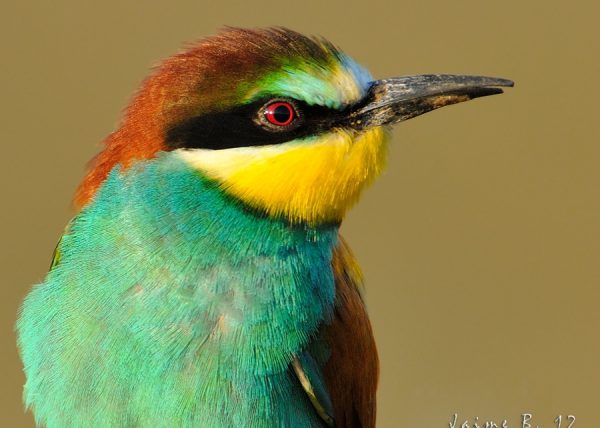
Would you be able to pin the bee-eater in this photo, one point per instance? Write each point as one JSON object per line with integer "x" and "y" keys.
{"x": 203, "y": 281}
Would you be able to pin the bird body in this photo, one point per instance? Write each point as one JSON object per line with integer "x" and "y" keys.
{"x": 203, "y": 281}
{"x": 168, "y": 320}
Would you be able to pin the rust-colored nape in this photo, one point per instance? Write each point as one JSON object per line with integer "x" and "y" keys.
{"x": 141, "y": 133}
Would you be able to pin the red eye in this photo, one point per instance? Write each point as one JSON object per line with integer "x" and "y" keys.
{"x": 280, "y": 113}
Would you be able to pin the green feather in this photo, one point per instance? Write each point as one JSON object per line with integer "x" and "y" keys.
{"x": 175, "y": 305}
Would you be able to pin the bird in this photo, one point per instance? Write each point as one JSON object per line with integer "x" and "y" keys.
{"x": 203, "y": 280}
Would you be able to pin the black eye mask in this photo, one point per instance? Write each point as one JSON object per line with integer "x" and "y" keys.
{"x": 244, "y": 126}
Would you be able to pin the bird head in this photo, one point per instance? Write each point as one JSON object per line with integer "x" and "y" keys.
{"x": 286, "y": 124}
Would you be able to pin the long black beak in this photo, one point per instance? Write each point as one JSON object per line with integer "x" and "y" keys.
{"x": 393, "y": 100}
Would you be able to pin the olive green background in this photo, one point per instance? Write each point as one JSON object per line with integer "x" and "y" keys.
{"x": 481, "y": 242}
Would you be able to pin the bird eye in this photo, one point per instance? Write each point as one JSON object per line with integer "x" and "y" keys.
{"x": 280, "y": 113}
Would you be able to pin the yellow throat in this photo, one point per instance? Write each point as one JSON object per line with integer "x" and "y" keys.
{"x": 314, "y": 180}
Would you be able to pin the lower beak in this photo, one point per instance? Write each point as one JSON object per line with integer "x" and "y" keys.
{"x": 393, "y": 100}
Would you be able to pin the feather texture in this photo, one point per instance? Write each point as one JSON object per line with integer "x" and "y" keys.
{"x": 173, "y": 305}
{"x": 352, "y": 369}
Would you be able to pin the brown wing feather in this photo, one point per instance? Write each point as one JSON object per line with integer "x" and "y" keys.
{"x": 352, "y": 371}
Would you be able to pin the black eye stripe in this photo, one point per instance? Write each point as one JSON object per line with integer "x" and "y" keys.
{"x": 240, "y": 127}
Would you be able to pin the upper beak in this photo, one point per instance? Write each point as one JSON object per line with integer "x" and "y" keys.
{"x": 393, "y": 100}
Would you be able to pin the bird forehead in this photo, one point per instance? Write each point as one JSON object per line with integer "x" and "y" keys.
{"x": 340, "y": 83}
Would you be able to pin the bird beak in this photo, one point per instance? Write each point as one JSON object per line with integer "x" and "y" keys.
{"x": 393, "y": 100}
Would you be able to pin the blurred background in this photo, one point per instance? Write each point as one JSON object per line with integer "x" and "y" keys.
{"x": 480, "y": 244}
